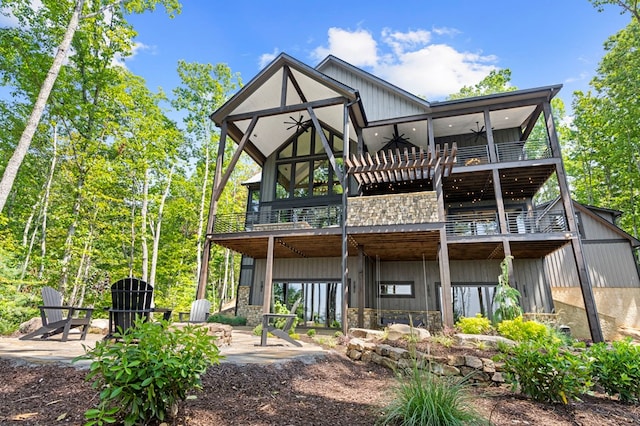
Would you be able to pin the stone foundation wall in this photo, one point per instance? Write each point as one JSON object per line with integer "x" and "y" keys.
{"x": 394, "y": 209}
{"x": 484, "y": 370}
{"x": 253, "y": 313}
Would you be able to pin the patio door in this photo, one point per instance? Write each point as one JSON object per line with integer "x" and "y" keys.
{"x": 320, "y": 301}
{"x": 470, "y": 299}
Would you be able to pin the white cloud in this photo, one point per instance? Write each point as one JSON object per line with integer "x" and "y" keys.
{"x": 356, "y": 47}
{"x": 410, "y": 60}
{"x": 137, "y": 47}
{"x": 266, "y": 58}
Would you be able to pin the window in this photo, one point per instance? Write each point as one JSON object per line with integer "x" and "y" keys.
{"x": 396, "y": 289}
{"x": 303, "y": 168}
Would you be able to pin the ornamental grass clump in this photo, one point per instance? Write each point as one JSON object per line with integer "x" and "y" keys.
{"x": 145, "y": 373}
{"x": 425, "y": 399}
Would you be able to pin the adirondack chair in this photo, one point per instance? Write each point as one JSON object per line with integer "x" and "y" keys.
{"x": 54, "y": 320}
{"x": 130, "y": 299}
{"x": 283, "y": 333}
{"x": 199, "y": 311}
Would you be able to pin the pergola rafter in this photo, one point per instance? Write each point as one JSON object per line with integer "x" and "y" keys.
{"x": 400, "y": 166}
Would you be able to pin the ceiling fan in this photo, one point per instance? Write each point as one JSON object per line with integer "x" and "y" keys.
{"x": 479, "y": 131}
{"x": 299, "y": 124}
{"x": 396, "y": 140}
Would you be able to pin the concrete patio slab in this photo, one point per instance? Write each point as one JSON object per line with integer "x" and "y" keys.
{"x": 244, "y": 349}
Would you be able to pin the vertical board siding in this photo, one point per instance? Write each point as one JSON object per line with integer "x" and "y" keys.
{"x": 611, "y": 265}
{"x": 596, "y": 231}
{"x": 379, "y": 102}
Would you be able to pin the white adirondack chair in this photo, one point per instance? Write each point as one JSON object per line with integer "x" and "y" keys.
{"x": 199, "y": 311}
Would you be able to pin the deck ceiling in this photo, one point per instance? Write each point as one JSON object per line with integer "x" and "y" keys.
{"x": 382, "y": 245}
{"x": 517, "y": 183}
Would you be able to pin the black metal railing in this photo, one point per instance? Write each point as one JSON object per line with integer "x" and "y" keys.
{"x": 280, "y": 219}
{"x": 486, "y": 223}
{"x": 505, "y": 152}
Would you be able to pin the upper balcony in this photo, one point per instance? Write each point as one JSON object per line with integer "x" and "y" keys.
{"x": 297, "y": 218}
{"x": 505, "y": 152}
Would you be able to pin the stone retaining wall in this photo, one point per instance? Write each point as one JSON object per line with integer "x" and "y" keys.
{"x": 483, "y": 370}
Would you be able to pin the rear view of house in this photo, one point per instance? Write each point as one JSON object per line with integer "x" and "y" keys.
{"x": 374, "y": 205}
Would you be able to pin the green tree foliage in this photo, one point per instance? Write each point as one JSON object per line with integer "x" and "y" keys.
{"x": 604, "y": 155}
{"x": 498, "y": 81}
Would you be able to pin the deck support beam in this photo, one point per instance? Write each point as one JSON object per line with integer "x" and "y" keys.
{"x": 268, "y": 278}
{"x": 583, "y": 275}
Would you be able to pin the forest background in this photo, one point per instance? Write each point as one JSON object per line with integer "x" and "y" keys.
{"x": 99, "y": 183}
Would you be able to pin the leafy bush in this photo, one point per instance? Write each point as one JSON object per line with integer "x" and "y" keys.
{"x": 520, "y": 330}
{"x": 281, "y": 308}
{"x": 143, "y": 374}
{"x": 474, "y": 325}
{"x": 547, "y": 372}
{"x": 616, "y": 368}
{"x": 311, "y": 332}
{"x": 227, "y": 319}
{"x": 423, "y": 398}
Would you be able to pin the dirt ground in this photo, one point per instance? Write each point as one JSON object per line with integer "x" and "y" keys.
{"x": 330, "y": 391}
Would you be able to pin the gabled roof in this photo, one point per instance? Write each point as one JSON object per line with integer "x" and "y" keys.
{"x": 275, "y": 96}
{"x": 591, "y": 212}
{"x": 588, "y": 210}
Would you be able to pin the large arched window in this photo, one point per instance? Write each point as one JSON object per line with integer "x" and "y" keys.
{"x": 303, "y": 168}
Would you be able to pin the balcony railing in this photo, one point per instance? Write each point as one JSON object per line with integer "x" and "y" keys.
{"x": 536, "y": 222}
{"x": 523, "y": 150}
{"x": 486, "y": 223}
{"x": 505, "y": 151}
{"x": 281, "y": 219}
{"x": 472, "y": 155}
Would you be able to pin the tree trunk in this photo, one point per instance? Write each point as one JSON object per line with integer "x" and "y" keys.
{"x": 143, "y": 226}
{"x": 11, "y": 170}
{"x": 203, "y": 199}
{"x": 45, "y": 206}
{"x": 156, "y": 234}
{"x": 66, "y": 259}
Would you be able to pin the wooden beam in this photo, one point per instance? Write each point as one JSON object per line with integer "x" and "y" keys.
{"x": 325, "y": 144}
{"x": 217, "y": 190}
{"x": 361, "y": 284}
{"x": 268, "y": 278}
{"x": 286, "y": 109}
{"x": 213, "y": 206}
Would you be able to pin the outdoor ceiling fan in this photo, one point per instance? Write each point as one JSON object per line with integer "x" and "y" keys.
{"x": 479, "y": 131}
{"x": 396, "y": 139}
{"x": 299, "y": 124}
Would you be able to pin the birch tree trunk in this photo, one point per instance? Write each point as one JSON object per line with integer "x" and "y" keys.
{"x": 11, "y": 170}
{"x": 143, "y": 226}
{"x": 156, "y": 234}
{"x": 203, "y": 199}
{"x": 45, "y": 206}
{"x": 68, "y": 245}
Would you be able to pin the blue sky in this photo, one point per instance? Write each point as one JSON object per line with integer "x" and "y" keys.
{"x": 430, "y": 48}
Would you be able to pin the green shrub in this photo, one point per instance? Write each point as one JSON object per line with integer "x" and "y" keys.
{"x": 145, "y": 373}
{"x": 227, "y": 319}
{"x": 506, "y": 298}
{"x": 547, "y": 372}
{"x": 422, "y": 398}
{"x": 519, "y": 330}
{"x": 257, "y": 330}
{"x": 338, "y": 334}
{"x": 616, "y": 368}
{"x": 311, "y": 332}
{"x": 474, "y": 325}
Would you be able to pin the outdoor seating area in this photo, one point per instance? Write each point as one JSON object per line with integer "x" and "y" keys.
{"x": 57, "y": 318}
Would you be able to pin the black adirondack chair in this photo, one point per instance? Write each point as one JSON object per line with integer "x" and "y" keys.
{"x": 131, "y": 299}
